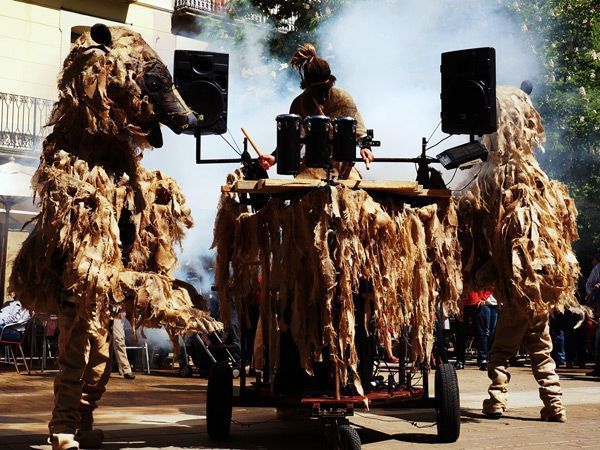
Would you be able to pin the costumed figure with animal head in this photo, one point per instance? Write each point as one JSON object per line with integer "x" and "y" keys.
{"x": 104, "y": 240}
{"x": 517, "y": 229}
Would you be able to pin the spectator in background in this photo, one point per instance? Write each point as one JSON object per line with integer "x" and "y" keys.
{"x": 487, "y": 317}
{"x": 120, "y": 350}
{"x": 592, "y": 289}
{"x": 468, "y": 321}
{"x": 13, "y": 312}
{"x": 568, "y": 342}
{"x": 479, "y": 309}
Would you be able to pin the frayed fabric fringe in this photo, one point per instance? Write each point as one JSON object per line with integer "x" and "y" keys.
{"x": 306, "y": 261}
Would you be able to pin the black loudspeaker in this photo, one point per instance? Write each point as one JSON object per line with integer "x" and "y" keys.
{"x": 469, "y": 91}
{"x": 202, "y": 80}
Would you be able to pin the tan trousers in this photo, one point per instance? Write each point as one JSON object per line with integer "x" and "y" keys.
{"x": 119, "y": 346}
{"x": 85, "y": 362}
{"x": 516, "y": 326}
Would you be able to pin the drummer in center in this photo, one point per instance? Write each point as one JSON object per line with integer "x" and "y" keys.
{"x": 321, "y": 97}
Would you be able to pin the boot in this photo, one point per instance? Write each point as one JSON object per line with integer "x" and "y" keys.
{"x": 87, "y": 436}
{"x": 91, "y": 439}
{"x": 553, "y": 414}
{"x": 63, "y": 441}
{"x": 493, "y": 409}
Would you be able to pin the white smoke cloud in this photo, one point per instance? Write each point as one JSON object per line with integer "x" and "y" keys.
{"x": 257, "y": 93}
{"x": 385, "y": 53}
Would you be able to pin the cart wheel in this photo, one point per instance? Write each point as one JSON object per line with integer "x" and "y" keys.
{"x": 447, "y": 403}
{"x": 186, "y": 371}
{"x": 219, "y": 398}
{"x": 349, "y": 438}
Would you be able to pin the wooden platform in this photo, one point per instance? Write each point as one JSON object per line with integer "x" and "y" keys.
{"x": 279, "y": 186}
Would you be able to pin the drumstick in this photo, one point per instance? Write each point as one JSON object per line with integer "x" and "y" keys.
{"x": 251, "y": 142}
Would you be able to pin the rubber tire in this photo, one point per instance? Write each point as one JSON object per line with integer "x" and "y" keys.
{"x": 219, "y": 400}
{"x": 349, "y": 438}
{"x": 447, "y": 403}
{"x": 186, "y": 371}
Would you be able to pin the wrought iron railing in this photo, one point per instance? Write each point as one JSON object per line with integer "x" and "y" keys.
{"x": 200, "y": 5}
{"x": 22, "y": 122}
{"x": 219, "y": 7}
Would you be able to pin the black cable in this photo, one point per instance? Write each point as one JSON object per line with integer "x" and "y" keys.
{"x": 233, "y": 139}
{"x": 389, "y": 420}
{"x": 455, "y": 172}
{"x": 434, "y": 130}
{"x": 228, "y": 143}
{"x": 439, "y": 142}
{"x": 239, "y": 151}
{"x": 230, "y": 134}
{"x": 469, "y": 183}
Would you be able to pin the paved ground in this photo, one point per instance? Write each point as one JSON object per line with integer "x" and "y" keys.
{"x": 163, "y": 411}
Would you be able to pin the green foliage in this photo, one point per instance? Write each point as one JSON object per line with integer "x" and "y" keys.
{"x": 295, "y": 21}
{"x": 565, "y": 34}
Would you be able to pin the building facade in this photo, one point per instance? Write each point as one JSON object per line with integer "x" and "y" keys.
{"x": 35, "y": 38}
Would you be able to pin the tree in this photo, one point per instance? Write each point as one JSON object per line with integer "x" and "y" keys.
{"x": 295, "y": 21}
{"x": 566, "y": 36}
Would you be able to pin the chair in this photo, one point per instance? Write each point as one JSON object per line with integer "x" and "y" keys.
{"x": 144, "y": 348}
{"x": 10, "y": 344}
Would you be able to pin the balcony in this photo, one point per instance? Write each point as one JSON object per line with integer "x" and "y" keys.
{"x": 188, "y": 16}
{"x": 200, "y": 6}
{"x": 22, "y": 124}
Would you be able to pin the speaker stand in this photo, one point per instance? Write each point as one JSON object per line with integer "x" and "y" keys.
{"x": 199, "y": 159}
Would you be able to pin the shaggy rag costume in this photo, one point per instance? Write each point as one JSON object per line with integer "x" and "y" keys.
{"x": 517, "y": 229}
{"x": 103, "y": 241}
{"x": 314, "y": 255}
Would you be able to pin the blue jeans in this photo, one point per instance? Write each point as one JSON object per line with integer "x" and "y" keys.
{"x": 558, "y": 324}
{"x": 487, "y": 318}
{"x": 10, "y": 334}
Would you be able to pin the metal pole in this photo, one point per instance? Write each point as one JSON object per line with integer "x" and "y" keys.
{"x": 7, "y": 206}
{"x": 198, "y": 148}
{"x": 34, "y": 130}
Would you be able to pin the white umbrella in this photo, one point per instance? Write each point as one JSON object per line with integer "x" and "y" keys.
{"x": 15, "y": 179}
{"x": 15, "y": 190}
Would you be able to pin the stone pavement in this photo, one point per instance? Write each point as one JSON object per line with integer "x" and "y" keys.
{"x": 164, "y": 411}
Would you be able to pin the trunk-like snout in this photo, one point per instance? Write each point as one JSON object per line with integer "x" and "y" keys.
{"x": 174, "y": 113}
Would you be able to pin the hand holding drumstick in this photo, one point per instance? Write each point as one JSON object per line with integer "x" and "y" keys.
{"x": 265, "y": 161}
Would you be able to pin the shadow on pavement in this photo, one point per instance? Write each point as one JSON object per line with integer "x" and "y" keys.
{"x": 478, "y": 417}
{"x": 180, "y": 387}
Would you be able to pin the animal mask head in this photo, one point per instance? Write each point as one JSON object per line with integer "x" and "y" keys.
{"x": 114, "y": 85}
{"x": 520, "y": 129}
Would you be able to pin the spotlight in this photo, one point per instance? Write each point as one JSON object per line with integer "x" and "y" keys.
{"x": 463, "y": 156}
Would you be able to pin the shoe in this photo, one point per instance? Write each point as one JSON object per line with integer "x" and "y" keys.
{"x": 91, "y": 439}
{"x": 392, "y": 359}
{"x": 63, "y": 441}
{"x": 459, "y": 365}
{"x": 129, "y": 376}
{"x": 483, "y": 367}
{"x": 493, "y": 410}
{"x": 594, "y": 373}
{"x": 553, "y": 416}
